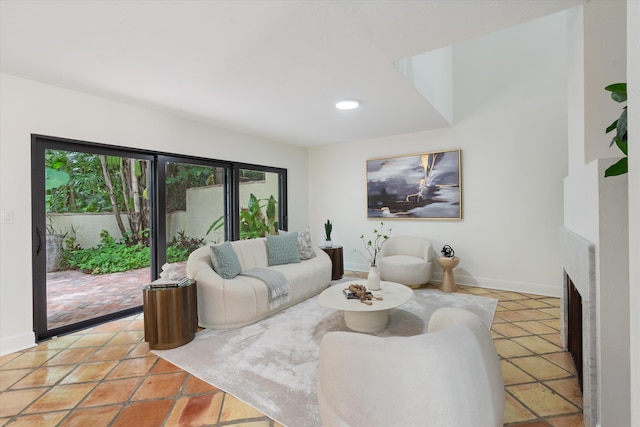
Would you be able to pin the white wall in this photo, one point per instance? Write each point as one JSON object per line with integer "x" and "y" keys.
{"x": 510, "y": 95}
{"x": 28, "y": 107}
{"x": 633, "y": 82}
{"x": 596, "y": 208}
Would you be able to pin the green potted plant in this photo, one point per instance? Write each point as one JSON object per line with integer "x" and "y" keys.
{"x": 328, "y": 227}
{"x": 619, "y": 94}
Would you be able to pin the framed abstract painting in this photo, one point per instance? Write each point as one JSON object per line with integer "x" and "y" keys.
{"x": 416, "y": 186}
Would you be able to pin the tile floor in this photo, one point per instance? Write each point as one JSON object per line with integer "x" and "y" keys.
{"x": 106, "y": 376}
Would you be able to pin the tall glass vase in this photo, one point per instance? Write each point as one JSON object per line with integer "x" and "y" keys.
{"x": 373, "y": 278}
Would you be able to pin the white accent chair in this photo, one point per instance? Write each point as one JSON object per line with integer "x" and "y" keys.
{"x": 447, "y": 377}
{"x": 407, "y": 260}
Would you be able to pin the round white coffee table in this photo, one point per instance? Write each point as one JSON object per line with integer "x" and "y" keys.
{"x": 362, "y": 317}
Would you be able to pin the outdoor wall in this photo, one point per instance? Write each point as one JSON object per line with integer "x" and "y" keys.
{"x": 510, "y": 96}
{"x": 29, "y": 107}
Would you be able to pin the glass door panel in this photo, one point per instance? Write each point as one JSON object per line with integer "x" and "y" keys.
{"x": 195, "y": 200}
{"x": 259, "y": 203}
{"x": 92, "y": 249}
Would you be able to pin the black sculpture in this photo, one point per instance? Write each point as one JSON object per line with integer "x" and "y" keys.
{"x": 447, "y": 251}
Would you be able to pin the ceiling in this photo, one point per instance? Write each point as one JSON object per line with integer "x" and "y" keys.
{"x": 269, "y": 68}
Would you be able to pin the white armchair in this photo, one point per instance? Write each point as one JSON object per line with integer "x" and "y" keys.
{"x": 447, "y": 377}
{"x": 407, "y": 260}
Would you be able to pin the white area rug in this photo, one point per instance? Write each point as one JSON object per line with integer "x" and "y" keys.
{"x": 272, "y": 364}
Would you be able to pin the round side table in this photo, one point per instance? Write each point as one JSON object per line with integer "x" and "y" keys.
{"x": 448, "y": 279}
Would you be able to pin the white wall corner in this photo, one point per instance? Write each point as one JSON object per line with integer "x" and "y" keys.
{"x": 17, "y": 343}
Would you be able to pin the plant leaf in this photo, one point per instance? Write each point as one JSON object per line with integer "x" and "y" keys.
{"x": 622, "y": 145}
{"x": 612, "y": 126}
{"x": 618, "y": 91}
{"x": 618, "y": 168}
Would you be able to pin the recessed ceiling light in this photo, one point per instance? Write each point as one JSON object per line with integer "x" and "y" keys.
{"x": 347, "y": 104}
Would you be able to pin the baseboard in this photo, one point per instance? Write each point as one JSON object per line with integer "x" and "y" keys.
{"x": 505, "y": 285}
{"x": 502, "y": 285}
{"x": 14, "y": 344}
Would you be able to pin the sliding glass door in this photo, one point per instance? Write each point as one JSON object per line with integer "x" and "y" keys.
{"x": 93, "y": 251}
{"x": 107, "y": 219}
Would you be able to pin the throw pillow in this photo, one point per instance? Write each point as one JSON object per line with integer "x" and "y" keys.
{"x": 283, "y": 249}
{"x": 225, "y": 261}
{"x": 305, "y": 247}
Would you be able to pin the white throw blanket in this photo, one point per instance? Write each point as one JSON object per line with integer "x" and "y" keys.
{"x": 276, "y": 282}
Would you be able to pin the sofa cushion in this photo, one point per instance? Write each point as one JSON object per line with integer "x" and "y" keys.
{"x": 225, "y": 261}
{"x": 305, "y": 247}
{"x": 283, "y": 249}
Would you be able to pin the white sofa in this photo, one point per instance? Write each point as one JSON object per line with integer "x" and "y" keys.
{"x": 407, "y": 260}
{"x": 232, "y": 303}
{"x": 447, "y": 377}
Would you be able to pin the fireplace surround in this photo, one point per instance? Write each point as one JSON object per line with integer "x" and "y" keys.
{"x": 578, "y": 262}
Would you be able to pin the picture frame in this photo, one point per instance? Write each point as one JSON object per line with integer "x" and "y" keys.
{"x": 416, "y": 186}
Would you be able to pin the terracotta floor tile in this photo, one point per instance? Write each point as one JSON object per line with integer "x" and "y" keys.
{"x": 562, "y": 359}
{"x": 194, "y": 385}
{"x": 567, "y": 421}
{"x": 144, "y": 414}
{"x": 509, "y": 330}
{"x": 536, "y": 327}
{"x": 515, "y": 412}
{"x": 138, "y": 350}
{"x": 234, "y": 409}
{"x": 163, "y": 367}
{"x": 94, "y": 371}
{"x": 44, "y": 420}
{"x": 127, "y": 337}
{"x": 45, "y": 376}
{"x": 8, "y": 358}
{"x": 567, "y": 388}
{"x": 30, "y": 359}
{"x": 553, "y": 323}
{"x": 554, "y": 302}
{"x": 110, "y": 352}
{"x": 512, "y": 316}
{"x": 92, "y": 340}
{"x": 537, "y": 345}
{"x": 136, "y": 367}
{"x": 554, "y": 339}
{"x": 552, "y": 312}
{"x": 514, "y": 375}
{"x": 535, "y": 303}
{"x": 9, "y": 378}
{"x": 110, "y": 392}
{"x": 507, "y": 348}
{"x": 196, "y": 411}
{"x": 114, "y": 326}
{"x": 70, "y": 356}
{"x": 157, "y": 386}
{"x": 61, "y": 397}
{"x": 512, "y": 305}
{"x": 542, "y": 400}
{"x": 58, "y": 342}
{"x": 512, "y": 296}
{"x": 12, "y": 402}
{"x": 536, "y": 314}
{"x": 539, "y": 368}
{"x": 94, "y": 417}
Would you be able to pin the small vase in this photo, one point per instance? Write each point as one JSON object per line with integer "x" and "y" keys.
{"x": 373, "y": 278}
{"x": 328, "y": 244}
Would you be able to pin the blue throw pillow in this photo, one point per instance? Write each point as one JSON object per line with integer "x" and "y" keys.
{"x": 225, "y": 261}
{"x": 283, "y": 249}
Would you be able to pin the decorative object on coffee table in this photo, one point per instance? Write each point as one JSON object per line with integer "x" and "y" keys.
{"x": 337, "y": 261}
{"x": 328, "y": 227}
{"x": 372, "y": 249}
{"x": 170, "y": 313}
{"x": 361, "y": 317}
{"x": 448, "y": 278}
